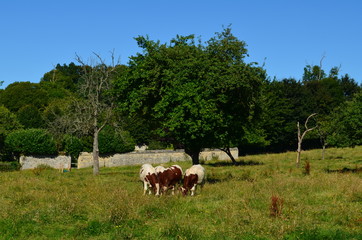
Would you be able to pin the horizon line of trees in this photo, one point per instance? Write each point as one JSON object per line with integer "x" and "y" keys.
{"x": 182, "y": 94}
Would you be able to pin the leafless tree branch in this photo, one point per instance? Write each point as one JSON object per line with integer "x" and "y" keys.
{"x": 301, "y": 136}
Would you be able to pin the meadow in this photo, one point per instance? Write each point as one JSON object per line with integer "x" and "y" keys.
{"x": 263, "y": 197}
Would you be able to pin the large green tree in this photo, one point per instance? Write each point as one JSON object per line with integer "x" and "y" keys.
{"x": 30, "y": 117}
{"x": 327, "y": 92}
{"x": 194, "y": 95}
{"x": 20, "y": 94}
{"x": 346, "y": 123}
{"x": 66, "y": 76}
{"x": 284, "y": 104}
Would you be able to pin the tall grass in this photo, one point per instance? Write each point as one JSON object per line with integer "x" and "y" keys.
{"x": 235, "y": 203}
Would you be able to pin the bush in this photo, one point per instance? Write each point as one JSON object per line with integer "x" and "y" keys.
{"x": 9, "y": 166}
{"x": 111, "y": 141}
{"x": 31, "y": 141}
{"x": 72, "y": 146}
{"x": 158, "y": 145}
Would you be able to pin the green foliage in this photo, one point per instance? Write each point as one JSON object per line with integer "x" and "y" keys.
{"x": 198, "y": 96}
{"x": 56, "y": 117}
{"x": 20, "y": 94}
{"x": 65, "y": 76}
{"x": 349, "y": 86}
{"x": 8, "y": 123}
{"x": 286, "y": 102}
{"x": 157, "y": 145}
{"x": 324, "y": 95}
{"x": 111, "y": 141}
{"x": 346, "y": 123}
{"x": 72, "y": 146}
{"x": 283, "y": 105}
{"x": 30, "y": 141}
{"x": 30, "y": 117}
{"x": 9, "y": 166}
{"x": 87, "y": 142}
{"x": 55, "y": 91}
{"x": 313, "y": 73}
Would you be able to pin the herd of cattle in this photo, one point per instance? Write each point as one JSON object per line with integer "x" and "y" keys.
{"x": 160, "y": 179}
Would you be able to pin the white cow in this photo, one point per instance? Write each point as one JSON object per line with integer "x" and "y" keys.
{"x": 193, "y": 176}
{"x": 150, "y": 179}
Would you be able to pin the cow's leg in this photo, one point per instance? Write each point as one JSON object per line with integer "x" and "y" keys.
{"x": 173, "y": 189}
{"x": 157, "y": 189}
{"x": 193, "y": 190}
{"x": 149, "y": 189}
{"x": 145, "y": 187}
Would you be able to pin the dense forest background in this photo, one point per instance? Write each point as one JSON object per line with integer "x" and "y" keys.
{"x": 182, "y": 94}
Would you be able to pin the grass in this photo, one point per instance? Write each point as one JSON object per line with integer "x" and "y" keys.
{"x": 264, "y": 197}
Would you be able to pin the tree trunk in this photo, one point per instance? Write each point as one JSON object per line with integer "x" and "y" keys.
{"x": 299, "y": 150}
{"x": 228, "y": 152}
{"x": 323, "y": 151}
{"x": 95, "y": 153}
{"x": 194, "y": 154}
{"x": 301, "y": 136}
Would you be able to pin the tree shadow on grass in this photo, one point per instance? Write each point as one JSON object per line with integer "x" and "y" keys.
{"x": 239, "y": 163}
{"x": 345, "y": 170}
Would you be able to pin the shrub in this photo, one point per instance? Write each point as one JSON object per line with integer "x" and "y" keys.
{"x": 40, "y": 168}
{"x": 111, "y": 141}
{"x": 276, "y": 206}
{"x": 9, "y": 166}
{"x": 31, "y": 141}
{"x": 306, "y": 168}
{"x": 157, "y": 145}
{"x": 72, "y": 146}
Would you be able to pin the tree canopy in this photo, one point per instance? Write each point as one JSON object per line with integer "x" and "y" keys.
{"x": 200, "y": 95}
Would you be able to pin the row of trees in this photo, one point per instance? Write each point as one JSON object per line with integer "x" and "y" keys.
{"x": 185, "y": 94}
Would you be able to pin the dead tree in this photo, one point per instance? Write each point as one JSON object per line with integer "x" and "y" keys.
{"x": 97, "y": 110}
{"x": 301, "y": 136}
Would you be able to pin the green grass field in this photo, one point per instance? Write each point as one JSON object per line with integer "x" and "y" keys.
{"x": 235, "y": 203}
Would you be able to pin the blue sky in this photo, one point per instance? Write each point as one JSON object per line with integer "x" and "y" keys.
{"x": 286, "y": 35}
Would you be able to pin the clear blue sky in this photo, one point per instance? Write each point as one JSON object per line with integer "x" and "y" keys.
{"x": 36, "y": 35}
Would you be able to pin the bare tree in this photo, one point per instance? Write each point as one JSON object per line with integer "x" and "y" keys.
{"x": 92, "y": 114}
{"x": 301, "y": 136}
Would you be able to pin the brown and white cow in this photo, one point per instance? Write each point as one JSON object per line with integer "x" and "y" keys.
{"x": 159, "y": 169}
{"x": 169, "y": 177}
{"x": 193, "y": 176}
{"x": 150, "y": 180}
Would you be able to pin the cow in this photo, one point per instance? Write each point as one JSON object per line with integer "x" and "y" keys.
{"x": 169, "y": 177}
{"x": 159, "y": 169}
{"x": 150, "y": 180}
{"x": 193, "y": 176}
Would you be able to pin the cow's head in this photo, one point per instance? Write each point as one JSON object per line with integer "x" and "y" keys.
{"x": 183, "y": 191}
